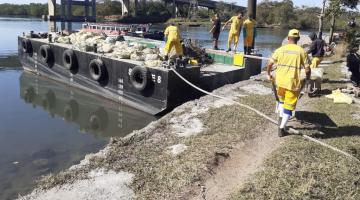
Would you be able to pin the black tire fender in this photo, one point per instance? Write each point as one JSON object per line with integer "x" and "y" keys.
{"x": 98, "y": 121}
{"x": 69, "y": 60}
{"x": 140, "y": 78}
{"x": 46, "y": 54}
{"x": 97, "y": 69}
{"x": 71, "y": 110}
{"x": 49, "y": 100}
{"x": 29, "y": 95}
{"x": 26, "y": 46}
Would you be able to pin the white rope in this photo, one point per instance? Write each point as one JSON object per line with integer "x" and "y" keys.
{"x": 256, "y": 57}
{"x": 264, "y": 116}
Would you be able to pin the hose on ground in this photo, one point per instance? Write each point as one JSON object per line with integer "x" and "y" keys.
{"x": 265, "y": 116}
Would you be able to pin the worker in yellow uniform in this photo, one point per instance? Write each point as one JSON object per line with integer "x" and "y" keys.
{"x": 249, "y": 33}
{"x": 172, "y": 35}
{"x": 234, "y": 33}
{"x": 289, "y": 59}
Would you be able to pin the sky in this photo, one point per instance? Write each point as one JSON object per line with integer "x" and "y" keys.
{"x": 239, "y": 2}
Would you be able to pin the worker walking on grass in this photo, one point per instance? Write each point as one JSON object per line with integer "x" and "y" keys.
{"x": 215, "y": 30}
{"x": 249, "y": 33}
{"x": 172, "y": 38}
{"x": 235, "y": 30}
{"x": 288, "y": 59}
{"x": 316, "y": 50}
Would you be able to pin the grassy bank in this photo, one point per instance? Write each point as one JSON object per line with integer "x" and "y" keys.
{"x": 301, "y": 169}
{"x": 208, "y": 128}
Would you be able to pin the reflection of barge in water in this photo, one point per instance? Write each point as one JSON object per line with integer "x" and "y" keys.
{"x": 150, "y": 89}
{"x": 91, "y": 113}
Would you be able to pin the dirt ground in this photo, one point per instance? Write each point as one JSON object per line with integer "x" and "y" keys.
{"x": 212, "y": 149}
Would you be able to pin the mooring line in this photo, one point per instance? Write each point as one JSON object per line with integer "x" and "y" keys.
{"x": 265, "y": 116}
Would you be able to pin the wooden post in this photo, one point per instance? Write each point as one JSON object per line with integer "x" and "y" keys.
{"x": 252, "y": 13}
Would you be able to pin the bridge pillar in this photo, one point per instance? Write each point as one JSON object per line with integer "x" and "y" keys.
{"x": 86, "y": 9}
{"x": 62, "y": 14}
{"x": 125, "y": 7}
{"x": 66, "y": 17}
{"x": 52, "y": 15}
{"x": 93, "y": 4}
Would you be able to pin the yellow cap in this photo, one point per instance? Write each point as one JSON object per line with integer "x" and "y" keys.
{"x": 294, "y": 33}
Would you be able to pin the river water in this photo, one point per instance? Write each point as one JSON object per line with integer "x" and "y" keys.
{"x": 46, "y": 127}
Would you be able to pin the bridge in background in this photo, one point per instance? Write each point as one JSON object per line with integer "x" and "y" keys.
{"x": 90, "y": 9}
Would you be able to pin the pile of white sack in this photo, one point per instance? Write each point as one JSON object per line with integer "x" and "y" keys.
{"x": 112, "y": 46}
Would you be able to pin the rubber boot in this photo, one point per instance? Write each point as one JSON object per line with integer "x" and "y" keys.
{"x": 281, "y": 132}
{"x": 285, "y": 118}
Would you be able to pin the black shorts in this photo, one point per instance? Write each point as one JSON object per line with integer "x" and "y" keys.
{"x": 216, "y": 36}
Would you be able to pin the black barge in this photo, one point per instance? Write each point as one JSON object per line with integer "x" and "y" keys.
{"x": 150, "y": 89}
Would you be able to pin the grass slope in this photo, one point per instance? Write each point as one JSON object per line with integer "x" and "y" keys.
{"x": 300, "y": 169}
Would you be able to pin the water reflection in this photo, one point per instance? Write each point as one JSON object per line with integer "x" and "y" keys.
{"x": 10, "y": 62}
{"x": 91, "y": 113}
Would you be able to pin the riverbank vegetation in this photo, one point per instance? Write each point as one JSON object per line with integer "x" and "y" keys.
{"x": 284, "y": 14}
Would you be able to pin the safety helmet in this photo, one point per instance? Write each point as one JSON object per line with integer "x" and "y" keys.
{"x": 294, "y": 33}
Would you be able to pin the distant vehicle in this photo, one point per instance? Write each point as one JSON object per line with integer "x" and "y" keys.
{"x": 135, "y": 30}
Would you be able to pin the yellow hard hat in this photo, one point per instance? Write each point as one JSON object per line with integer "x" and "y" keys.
{"x": 294, "y": 33}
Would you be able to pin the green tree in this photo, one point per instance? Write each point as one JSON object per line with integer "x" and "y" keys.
{"x": 108, "y": 7}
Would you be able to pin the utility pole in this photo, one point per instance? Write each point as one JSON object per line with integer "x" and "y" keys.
{"x": 252, "y": 8}
{"x": 252, "y": 12}
{"x": 321, "y": 20}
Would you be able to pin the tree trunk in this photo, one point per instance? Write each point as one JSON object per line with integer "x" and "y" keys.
{"x": 321, "y": 19}
{"x": 332, "y": 28}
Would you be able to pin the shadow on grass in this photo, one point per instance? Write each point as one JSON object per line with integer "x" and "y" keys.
{"x": 323, "y": 126}
{"x": 325, "y": 92}
{"x": 335, "y": 81}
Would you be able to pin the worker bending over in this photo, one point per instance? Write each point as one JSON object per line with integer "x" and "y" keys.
{"x": 235, "y": 30}
{"x": 249, "y": 33}
{"x": 316, "y": 50}
{"x": 172, "y": 37}
{"x": 289, "y": 59}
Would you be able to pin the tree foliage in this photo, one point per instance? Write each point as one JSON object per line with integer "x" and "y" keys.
{"x": 33, "y": 9}
{"x": 284, "y": 14}
{"x": 350, "y": 3}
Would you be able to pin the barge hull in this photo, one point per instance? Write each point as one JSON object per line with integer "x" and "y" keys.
{"x": 165, "y": 90}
